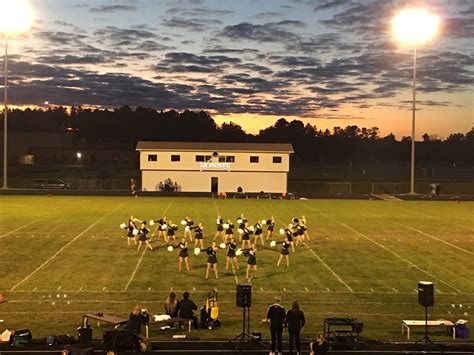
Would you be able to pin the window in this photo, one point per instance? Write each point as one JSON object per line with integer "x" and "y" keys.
{"x": 222, "y": 159}
{"x": 203, "y": 157}
{"x": 230, "y": 159}
{"x": 277, "y": 160}
{"x": 176, "y": 158}
{"x": 254, "y": 159}
{"x": 152, "y": 157}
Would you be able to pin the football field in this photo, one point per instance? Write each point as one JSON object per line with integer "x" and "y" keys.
{"x": 62, "y": 257}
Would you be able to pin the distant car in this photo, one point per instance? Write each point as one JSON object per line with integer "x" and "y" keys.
{"x": 55, "y": 184}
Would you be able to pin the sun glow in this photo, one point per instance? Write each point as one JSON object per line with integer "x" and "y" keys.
{"x": 16, "y": 16}
{"x": 415, "y": 25}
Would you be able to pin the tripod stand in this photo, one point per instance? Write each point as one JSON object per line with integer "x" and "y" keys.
{"x": 245, "y": 336}
{"x": 426, "y": 338}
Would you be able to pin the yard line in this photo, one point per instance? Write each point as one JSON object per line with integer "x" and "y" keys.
{"x": 317, "y": 257}
{"x": 33, "y": 221}
{"x": 424, "y": 233}
{"x": 64, "y": 247}
{"x": 144, "y": 250}
{"x": 386, "y": 249}
{"x": 436, "y": 219}
{"x": 231, "y": 263}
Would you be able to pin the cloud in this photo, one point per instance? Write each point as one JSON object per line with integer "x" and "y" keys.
{"x": 270, "y": 32}
{"x": 194, "y": 25}
{"x": 112, "y": 8}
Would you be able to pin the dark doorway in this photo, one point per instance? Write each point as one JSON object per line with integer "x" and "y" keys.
{"x": 214, "y": 185}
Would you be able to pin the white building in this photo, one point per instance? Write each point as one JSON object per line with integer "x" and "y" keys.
{"x": 215, "y": 167}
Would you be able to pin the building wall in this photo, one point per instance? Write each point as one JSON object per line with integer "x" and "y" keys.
{"x": 188, "y": 161}
{"x": 197, "y": 181}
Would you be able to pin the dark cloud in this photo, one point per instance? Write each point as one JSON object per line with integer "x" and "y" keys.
{"x": 459, "y": 27}
{"x": 199, "y": 12}
{"x": 220, "y": 49}
{"x": 60, "y": 38}
{"x": 329, "y": 4}
{"x": 194, "y": 25}
{"x": 112, "y": 8}
{"x": 270, "y": 32}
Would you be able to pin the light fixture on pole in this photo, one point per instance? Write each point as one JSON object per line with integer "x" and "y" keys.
{"x": 414, "y": 26}
{"x": 17, "y": 16}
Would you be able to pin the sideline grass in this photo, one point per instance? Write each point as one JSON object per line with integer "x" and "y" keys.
{"x": 61, "y": 257}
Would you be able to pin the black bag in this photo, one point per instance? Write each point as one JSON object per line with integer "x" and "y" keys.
{"x": 203, "y": 317}
{"x": 115, "y": 340}
{"x": 84, "y": 334}
{"x": 20, "y": 338}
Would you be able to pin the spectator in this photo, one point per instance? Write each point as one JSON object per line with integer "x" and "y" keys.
{"x": 137, "y": 319}
{"x": 319, "y": 347}
{"x": 294, "y": 321}
{"x": 172, "y": 305}
{"x": 276, "y": 317}
{"x": 186, "y": 307}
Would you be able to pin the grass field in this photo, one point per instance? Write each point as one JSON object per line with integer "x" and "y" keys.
{"x": 61, "y": 257}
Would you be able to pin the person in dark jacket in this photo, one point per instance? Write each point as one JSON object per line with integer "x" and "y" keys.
{"x": 137, "y": 319}
{"x": 294, "y": 321}
{"x": 186, "y": 308}
{"x": 276, "y": 318}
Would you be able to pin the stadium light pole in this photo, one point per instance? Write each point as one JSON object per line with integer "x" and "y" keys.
{"x": 17, "y": 19}
{"x": 414, "y": 26}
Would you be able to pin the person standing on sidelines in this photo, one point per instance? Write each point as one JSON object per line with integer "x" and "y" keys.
{"x": 276, "y": 318}
{"x": 294, "y": 321}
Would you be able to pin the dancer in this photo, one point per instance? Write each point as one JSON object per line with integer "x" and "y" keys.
{"x": 298, "y": 232}
{"x": 142, "y": 236}
{"x": 198, "y": 237}
{"x": 241, "y": 224}
{"x": 259, "y": 233}
{"x": 231, "y": 257}
{"x": 289, "y": 232}
{"x": 251, "y": 262}
{"x": 229, "y": 229}
{"x": 270, "y": 225}
{"x": 162, "y": 226}
{"x": 285, "y": 252}
{"x": 188, "y": 223}
{"x": 171, "y": 232}
{"x": 305, "y": 228}
{"x": 130, "y": 228}
{"x": 245, "y": 235}
{"x": 212, "y": 260}
{"x": 183, "y": 254}
{"x": 220, "y": 229}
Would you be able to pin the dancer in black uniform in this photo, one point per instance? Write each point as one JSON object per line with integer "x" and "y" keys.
{"x": 142, "y": 236}
{"x": 305, "y": 227}
{"x": 130, "y": 228}
{"x": 270, "y": 226}
{"x": 187, "y": 223}
{"x": 241, "y": 221}
{"x": 198, "y": 236}
{"x": 220, "y": 229}
{"x": 285, "y": 252}
{"x": 229, "y": 229}
{"x": 183, "y": 254}
{"x": 171, "y": 232}
{"x": 258, "y": 233}
{"x": 245, "y": 235}
{"x": 212, "y": 260}
{"x": 231, "y": 257}
{"x": 289, "y": 232}
{"x": 162, "y": 228}
{"x": 251, "y": 262}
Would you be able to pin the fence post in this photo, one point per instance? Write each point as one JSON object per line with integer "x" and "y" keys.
{"x": 373, "y": 185}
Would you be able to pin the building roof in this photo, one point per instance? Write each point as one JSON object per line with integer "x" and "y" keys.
{"x": 215, "y": 147}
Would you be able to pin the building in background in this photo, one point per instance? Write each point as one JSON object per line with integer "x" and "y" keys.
{"x": 214, "y": 167}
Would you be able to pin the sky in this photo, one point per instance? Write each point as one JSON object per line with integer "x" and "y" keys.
{"x": 324, "y": 62}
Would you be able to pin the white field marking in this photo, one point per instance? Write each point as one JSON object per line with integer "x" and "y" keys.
{"x": 33, "y": 221}
{"x": 284, "y": 289}
{"x": 328, "y": 290}
{"x": 233, "y": 292}
{"x": 35, "y": 288}
{"x": 231, "y": 262}
{"x": 143, "y": 253}
{"x": 317, "y": 257}
{"x": 433, "y": 237}
{"x": 372, "y": 290}
{"x": 81, "y": 289}
{"x": 104, "y": 288}
{"x": 436, "y": 219}
{"x": 394, "y": 290}
{"x": 194, "y": 289}
{"x": 306, "y": 289}
{"x": 149, "y": 289}
{"x": 388, "y": 250}
{"x": 261, "y": 288}
{"x": 416, "y": 290}
{"x": 58, "y": 288}
{"x": 64, "y": 247}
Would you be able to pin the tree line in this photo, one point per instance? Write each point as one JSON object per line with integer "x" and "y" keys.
{"x": 351, "y": 145}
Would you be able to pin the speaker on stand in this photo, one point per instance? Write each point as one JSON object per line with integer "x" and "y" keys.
{"x": 244, "y": 300}
{"x": 425, "y": 299}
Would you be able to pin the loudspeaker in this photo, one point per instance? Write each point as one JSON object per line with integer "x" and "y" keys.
{"x": 115, "y": 340}
{"x": 425, "y": 293}
{"x": 244, "y": 296}
{"x": 84, "y": 334}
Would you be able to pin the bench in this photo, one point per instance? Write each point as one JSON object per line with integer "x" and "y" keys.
{"x": 104, "y": 318}
{"x": 406, "y": 324}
